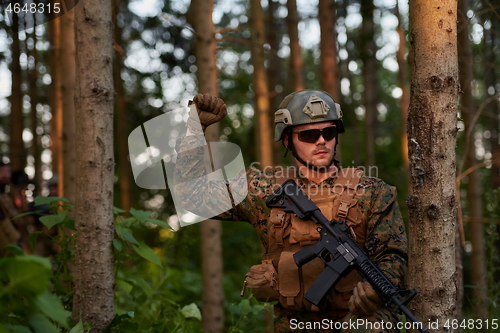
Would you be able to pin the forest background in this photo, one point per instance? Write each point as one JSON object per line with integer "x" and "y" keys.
{"x": 356, "y": 50}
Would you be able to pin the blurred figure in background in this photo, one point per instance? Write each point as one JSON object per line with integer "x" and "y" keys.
{"x": 9, "y": 233}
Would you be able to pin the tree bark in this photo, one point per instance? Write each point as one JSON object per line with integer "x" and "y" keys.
{"x": 35, "y": 148}
{"x": 123, "y": 165}
{"x": 328, "y": 46}
{"x": 432, "y": 120}
{"x": 367, "y": 54}
{"x": 474, "y": 198}
{"x": 274, "y": 70}
{"x": 67, "y": 174}
{"x": 200, "y": 18}
{"x": 55, "y": 94}
{"x": 403, "y": 79}
{"x": 17, "y": 155}
{"x": 492, "y": 109}
{"x": 94, "y": 262}
{"x": 296, "y": 61}
{"x": 263, "y": 124}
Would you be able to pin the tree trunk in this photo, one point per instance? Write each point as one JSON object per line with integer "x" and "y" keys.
{"x": 328, "y": 46}
{"x": 474, "y": 198}
{"x": 200, "y": 18}
{"x": 370, "y": 82}
{"x": 348, "y": 102}
{"x": 67, "y": 175}
{"x": 123, "y": 165}
{"x": 492, "y": 109}
{"x": 35, "y": 148}
{"x": 296, "y": 61}
{"x": 17, "y": 155}
{"x": 274, "y": 70}
{"x": 432, "y": 120}
{"x": 55, "y": 94}
{"x": 263, "y": 124}
{"x": 403, "y": 79}
{"x": 93, "y": 270}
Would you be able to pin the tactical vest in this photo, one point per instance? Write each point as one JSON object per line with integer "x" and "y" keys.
{"x": 288, "y": 234}
{"x": 8, "y": 232}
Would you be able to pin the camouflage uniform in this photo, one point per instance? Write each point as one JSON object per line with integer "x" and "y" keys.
{"x": 382, "y": 235}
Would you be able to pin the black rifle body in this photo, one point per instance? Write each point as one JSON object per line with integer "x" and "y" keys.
{"x": 340, "y": 253}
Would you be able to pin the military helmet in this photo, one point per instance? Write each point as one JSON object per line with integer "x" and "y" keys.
{"x": 306, "y": 107}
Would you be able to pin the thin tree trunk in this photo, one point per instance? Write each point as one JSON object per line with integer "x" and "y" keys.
{"x": 348, "y": 101}
{"x": 35, "y": 148}
{"x": 17, "y": 155}
{"x": 200, "y": 17}
{"x": 93, "y": 271}
{"x": 432, "y": 120}
{"x": 367, "y": 52}
{"x": 263, "y": 128}
{"x": 328, "y": 47}
{"x": 492, "y": 109}
{"x": 123, "y": 165}
{"x": 474, "y": 198}
{"x": 274, "y": 70}
{"x": 403, "y": 79}
{"x": 296, "y": 61}
{"x": 55, "y": 95}
{"x": 67, "y": 175}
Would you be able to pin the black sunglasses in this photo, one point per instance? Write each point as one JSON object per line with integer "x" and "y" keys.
{"x": 312, "y": 135}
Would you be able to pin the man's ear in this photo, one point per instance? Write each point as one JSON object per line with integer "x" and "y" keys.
{"x": 285, "y": 140}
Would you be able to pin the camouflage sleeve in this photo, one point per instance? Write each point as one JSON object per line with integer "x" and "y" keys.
{"x": 197, "y": 191}
{"x": 386, "y": 241}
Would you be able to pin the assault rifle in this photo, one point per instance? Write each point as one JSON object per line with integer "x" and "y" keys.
{"x": 340, "y": 253}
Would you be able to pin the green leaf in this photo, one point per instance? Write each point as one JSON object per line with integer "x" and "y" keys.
{"x": 127, "y": 287}
{"x": 117, "y": 210}
{"x": 245, "y": 306}
{"x": 191, "y": 311}
{"x": 147, "y": 253}
{"x": 140, "y": 215}
{"x": 41, "y": 324}
{"x": 68, "y": 223}
{"x": 146, "y": 287}
{"x": 78, "y": 328}
{"x": 160, "y": 223}
{"x": 41, "y": 200}
{"x": 127, "y": 222}
{"x": 51, "y": 220}
{"x": 27, "y": 273}
{"x": 32, "y": 238}
{"x": 51, "y": 305}
{"x": 15, "y": 329}
{"x": 14, "y": 249}
{"x": 129, "y": 237}
{"x": 28, "y": 213}
{"x": 118, "y": 245}
{"x": 45, "y": 262}
{"x": 257, "y": 308}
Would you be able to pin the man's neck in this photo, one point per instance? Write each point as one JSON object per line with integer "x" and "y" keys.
{"x": 315, "y": 175}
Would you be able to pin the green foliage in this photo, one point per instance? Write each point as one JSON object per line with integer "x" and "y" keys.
{"x": 155, "y": 285}
{"x": 34, "y": 291}
{"x": 492, "y": 242}
{"x": 26, "y": 304}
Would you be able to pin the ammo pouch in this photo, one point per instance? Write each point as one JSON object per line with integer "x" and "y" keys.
{"x": 262, "y": 280}
{"x": 278, "y": 278}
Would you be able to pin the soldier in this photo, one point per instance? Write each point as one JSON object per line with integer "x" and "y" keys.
{"x": 308, "y": 123}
